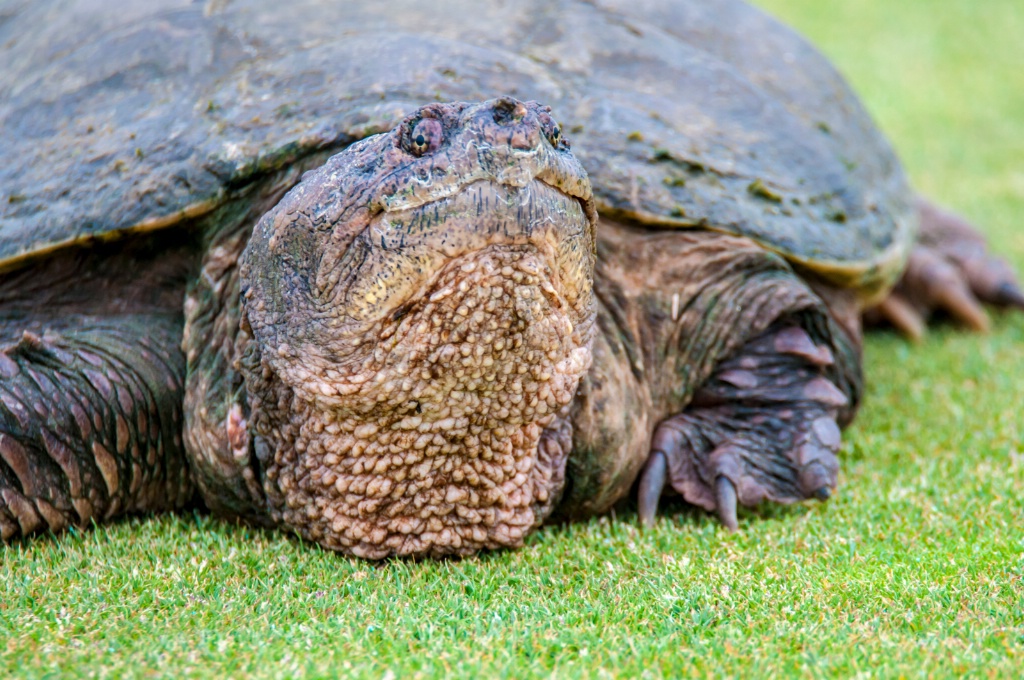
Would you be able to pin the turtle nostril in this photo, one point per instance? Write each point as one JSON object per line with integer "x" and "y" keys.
{"x": 508, "y": 111}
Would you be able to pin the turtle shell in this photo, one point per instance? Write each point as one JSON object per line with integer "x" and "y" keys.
{"x": 690, "y": 114}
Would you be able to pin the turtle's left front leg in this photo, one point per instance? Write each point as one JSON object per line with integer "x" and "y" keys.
{"x": 718, "y": 371}
{"x": 763, "y": 427}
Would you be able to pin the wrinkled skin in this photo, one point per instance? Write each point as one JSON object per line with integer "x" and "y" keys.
{"x": 428, "y": 343}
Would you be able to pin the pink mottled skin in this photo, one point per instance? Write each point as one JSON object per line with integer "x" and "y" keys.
{"x": 421, "y": 313}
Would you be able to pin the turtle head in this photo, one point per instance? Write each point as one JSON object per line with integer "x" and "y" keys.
{"x": 420, "y": 312}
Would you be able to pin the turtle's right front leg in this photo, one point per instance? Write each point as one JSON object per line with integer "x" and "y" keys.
{"x": 90, "y": 420}
{"x": 91, "y": 384}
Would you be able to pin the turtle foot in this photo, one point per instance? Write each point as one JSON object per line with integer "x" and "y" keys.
{"x": 90, "y": 422}
{"x": 762, "y": 428}
{"x": 950, "y": 270}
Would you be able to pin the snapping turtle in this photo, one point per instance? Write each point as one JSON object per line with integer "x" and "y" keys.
{"x": 255, "y": 255}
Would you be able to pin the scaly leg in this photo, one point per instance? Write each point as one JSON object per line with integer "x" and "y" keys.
{"x": 90, "y": 422}
{"x": 764, "y": 427}
{"x": 91, "y": 385}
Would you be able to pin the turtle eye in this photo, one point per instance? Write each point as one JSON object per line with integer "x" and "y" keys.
{"x": 553, "y": 131}
{"x": 555, "y": 135}
{"x": 425, "y": 137}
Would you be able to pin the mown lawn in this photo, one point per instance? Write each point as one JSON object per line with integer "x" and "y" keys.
{"x": 915, "y": 569}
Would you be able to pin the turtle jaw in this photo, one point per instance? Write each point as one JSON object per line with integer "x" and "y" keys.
{"x": 390, "y": 267}
{"x": 421, "y": 410}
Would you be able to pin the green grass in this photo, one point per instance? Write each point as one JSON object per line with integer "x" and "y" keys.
{"x": 915, "y": 569}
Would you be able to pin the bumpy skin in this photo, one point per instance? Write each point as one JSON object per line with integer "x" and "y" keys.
{"x": 411, "y": 352}
{"x": 419, "y": 313}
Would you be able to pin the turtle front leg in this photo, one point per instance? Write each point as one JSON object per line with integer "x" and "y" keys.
{"x": 91, "y": 385}
{"x": 719, "y": 372}
{"x": 90, "y": 420}
{"x": 950, "y": 269}
{"x": 763, "y": 427}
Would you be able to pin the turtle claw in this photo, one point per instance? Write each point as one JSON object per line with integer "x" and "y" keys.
{"x": 950, "y": 269}
{"x": 764, "y": 427}
{"x": 902, "y": 315}
{"x": 725, "y": 499}
{"x": 1009, "y": 295}
{"x": 652, "y": 483}
{"x": 957, "y": 299}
